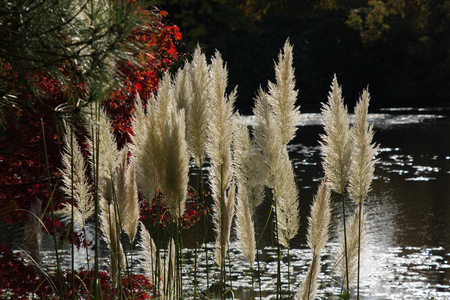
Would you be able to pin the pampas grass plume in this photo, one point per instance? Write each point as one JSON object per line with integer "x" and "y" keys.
{"x": 282, "y": 95}
{"x": 363, "y": 156}
{"x": 281, "y": 174}
{"x": 183, "y": 88}
{"x": 319, "y": 219}
{"x": 109, "y": 225}
{"x": 76, "y": 178}
{"x": 353, "y": 243}
{"x": 220, "y": 134}
{"x": 127, "y": 196}
{"x": 286, "y": 195}
{"x": 197, "y": 117}
{"x": 108, "y": 154}
{"x": 250, "y": 191}
{"x": 266, "y": 134}
{"x": 245, "y": 229}
{"x": 222, "y": 223}
{"x": 336, "y": 142}
{"x": 131, "y": 216}
{"x": 176, "y": 175}
{"x": 250, "y": 172}
{"x": 146, "y": 151}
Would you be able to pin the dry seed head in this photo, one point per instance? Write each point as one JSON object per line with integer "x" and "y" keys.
{"x": 352, "y": 247}
{"x": 197, "y": 117}
{"x": 336, "y": 142}
{"x": 319, "y": 219}
{"x": 364, "y": 152}
{"x": 175, "y": 178}
{"x": 73, "y": 157}
{"x": 283, "y": 96}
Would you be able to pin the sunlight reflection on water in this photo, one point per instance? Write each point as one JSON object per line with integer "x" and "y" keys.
{"x": 407, "y": 255}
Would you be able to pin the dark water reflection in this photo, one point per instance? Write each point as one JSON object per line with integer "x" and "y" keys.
{"x": 407, "y": 255}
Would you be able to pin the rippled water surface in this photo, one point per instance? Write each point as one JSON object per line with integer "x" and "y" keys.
{"x": 407, "y": 254}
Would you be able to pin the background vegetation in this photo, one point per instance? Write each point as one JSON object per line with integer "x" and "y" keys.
{"x": 400, "y": 48}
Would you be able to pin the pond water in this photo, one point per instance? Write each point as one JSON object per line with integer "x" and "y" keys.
{"x": 407, "y": 251}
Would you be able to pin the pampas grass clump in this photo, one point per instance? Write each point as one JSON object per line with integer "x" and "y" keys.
{"x": 192, "y": 117}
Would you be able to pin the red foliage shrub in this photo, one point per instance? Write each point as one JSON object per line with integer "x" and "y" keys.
{"x": 19, "y": 280}
{"x": 23, "y": 164}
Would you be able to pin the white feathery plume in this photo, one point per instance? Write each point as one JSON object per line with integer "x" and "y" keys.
{"x": 362, "y": 166}
{"x": 220, "y": 134}
{"x": 183, "y": 88}
{"x": 282, "y": 95}
{"x": 146, "y": 150}
{"x": 248, "y": 167}
{"x": 148, "y": 251}
{"x": 319, "y": 219}
{"x": 108, "y": 152}
{"x": 336, "y": 142}
{"x": 197, "y": 117}
{"x": 250, "y": 190}
{"x": 222, "y": 223}
{"x": 364, "y": 152}
{"x": 162, "y": 107}
{"x": 286, "y": 195}
{"x": 139, "y": 125}
{"x": 131, "y": 215}
{"x": 164, "y": 102}
{"x": 33, "y": 233}
{"x": 281, "y": 174}
{"x": 245, "y": 228}
{"x": 138, "y": 121}
{"x": 127, "y": 196}
{"x": 176, "y": 175}
{"x": 73, "y": 157}
{"x": 353, "y": 243}
{"x": 110, "y": 227}
{"x": 319, "y": 222}
{"x": 120, "y": 182}
{"x": 266, "y": 135}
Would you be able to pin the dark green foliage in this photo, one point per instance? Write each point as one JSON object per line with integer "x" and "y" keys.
{"x": 398, "y": 48}
{"x": 212, "y": 23}
{"x": 73, "y": 42}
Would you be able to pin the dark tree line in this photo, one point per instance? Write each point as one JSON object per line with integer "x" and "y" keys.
{"x": 399, "y": 48}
